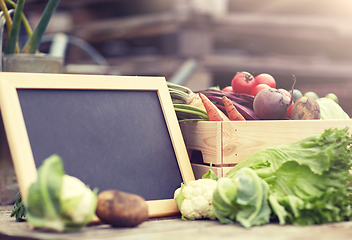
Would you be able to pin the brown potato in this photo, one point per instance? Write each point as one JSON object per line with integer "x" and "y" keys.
{"x": 305, "y": 108}
{"x": 121, "y": 209}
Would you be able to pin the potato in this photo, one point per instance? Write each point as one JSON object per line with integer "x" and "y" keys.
{"x": 305, "y": 108}
{"x": 121, "y": 209}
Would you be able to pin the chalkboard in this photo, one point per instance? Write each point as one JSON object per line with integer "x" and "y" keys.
{"x": 111, "y": 132}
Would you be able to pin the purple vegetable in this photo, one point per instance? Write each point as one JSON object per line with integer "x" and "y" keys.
{"x": 242, "y": 98}
{"x": 246, "y": 112}
{"x": 271, "y": 104}
{"x": 242, "y": 101}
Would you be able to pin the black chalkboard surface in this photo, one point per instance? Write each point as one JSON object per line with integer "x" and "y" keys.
{"x": 122, "y": 134}
{"x": 111, "y": 132}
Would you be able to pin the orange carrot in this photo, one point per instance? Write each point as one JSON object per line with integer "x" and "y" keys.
{"x": 231, "y": 110}
{"x": 212, "y": 110}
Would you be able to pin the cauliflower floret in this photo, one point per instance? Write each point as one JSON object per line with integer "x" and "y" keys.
{"x": 78, "y": 201}
{"x": 197, "y": 199}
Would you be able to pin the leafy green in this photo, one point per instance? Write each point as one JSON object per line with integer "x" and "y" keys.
{"x": 329, "y": 109}
{"x": 43, "y": 203}
{"x": 210, "y": 174}
{"x": 242, "y": 198}
{"x": 56, "y": 202}
{"x": 308, "y": 179}
{"x": 18, "y": 209}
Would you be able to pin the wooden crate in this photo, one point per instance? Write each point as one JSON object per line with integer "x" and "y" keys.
{"x": 224, "y": 144}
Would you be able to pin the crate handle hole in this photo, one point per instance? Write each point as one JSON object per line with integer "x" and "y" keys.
{"x": 196, "y": 156}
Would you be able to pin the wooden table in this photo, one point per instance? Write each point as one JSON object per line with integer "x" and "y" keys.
{"x": 175, "y": 228}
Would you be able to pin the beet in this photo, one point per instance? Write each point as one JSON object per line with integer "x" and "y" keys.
{"x": 271, "y": 104}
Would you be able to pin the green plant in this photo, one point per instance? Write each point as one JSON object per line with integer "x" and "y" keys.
{"x": 57, "y": 201}
{"x": 13, "y": 26}
{"x": 18, "y": 210}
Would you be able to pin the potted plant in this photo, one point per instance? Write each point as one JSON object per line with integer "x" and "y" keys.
{"x": 22, "y": 58}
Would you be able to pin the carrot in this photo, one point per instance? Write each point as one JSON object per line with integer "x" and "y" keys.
{"x": 212, "y": 111}
{"x": 231, "y": 110}
{"x": 195, "y": 100}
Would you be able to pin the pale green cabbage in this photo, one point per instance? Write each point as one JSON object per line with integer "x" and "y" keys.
{"x": 57, "y": 201}
{"x": 329, "y": 109}
{"x": 242, "y": 199}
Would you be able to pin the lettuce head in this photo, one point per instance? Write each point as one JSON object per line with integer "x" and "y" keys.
{"x": 309, "y": 180}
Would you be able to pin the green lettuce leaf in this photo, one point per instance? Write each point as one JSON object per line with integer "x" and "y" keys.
{"x": 43, "y": 208}
{"x": 210, "y": 174}
{"x": 308, "y": 179}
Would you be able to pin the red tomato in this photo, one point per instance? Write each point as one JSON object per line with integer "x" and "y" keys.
{"x": 266, "y": 79}
{"x": 243, "y": 82}
{"x": 259, "y": 87}
{"x": 227, "y": 89}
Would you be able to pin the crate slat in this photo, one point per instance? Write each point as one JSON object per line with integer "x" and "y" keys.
{"x": 224, "y": 144}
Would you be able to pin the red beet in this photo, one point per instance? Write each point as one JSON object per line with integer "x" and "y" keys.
{"x": 271, "y": 104}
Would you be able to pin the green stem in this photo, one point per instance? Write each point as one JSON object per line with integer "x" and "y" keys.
{"x": 8, "y": 19}
{"x": 33, "y": 42}
{"x": 6, "y": 14}
{"x": 24, "y": 18}
{"x": 15, "y": 29}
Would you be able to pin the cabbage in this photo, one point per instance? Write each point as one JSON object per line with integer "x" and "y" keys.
{"x": 57, "y": 201}
{"x": 242, "y": 199}
{"x": 308, "y": 179}
{"x": 329, "y": 109}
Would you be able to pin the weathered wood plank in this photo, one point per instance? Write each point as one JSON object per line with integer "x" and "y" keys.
{"x": 149, "y": 24}
{"x": 317, "y": 28}
{"x": 228, "y": 143}
{"x": 175, "y": 228}
{"x": 299, "y": 66}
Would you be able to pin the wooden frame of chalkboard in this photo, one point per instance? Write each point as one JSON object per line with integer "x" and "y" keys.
{"x": 28, "y": 98}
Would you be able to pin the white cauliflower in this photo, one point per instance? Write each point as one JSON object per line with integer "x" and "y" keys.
{"x": 194, "y": 200}
{"x": 77, "y": 200}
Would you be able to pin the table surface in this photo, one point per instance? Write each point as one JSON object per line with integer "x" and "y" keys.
{"x": 175, "y": 228}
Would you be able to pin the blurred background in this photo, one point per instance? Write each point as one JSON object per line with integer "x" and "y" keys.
{"x": 310, "y": 39}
